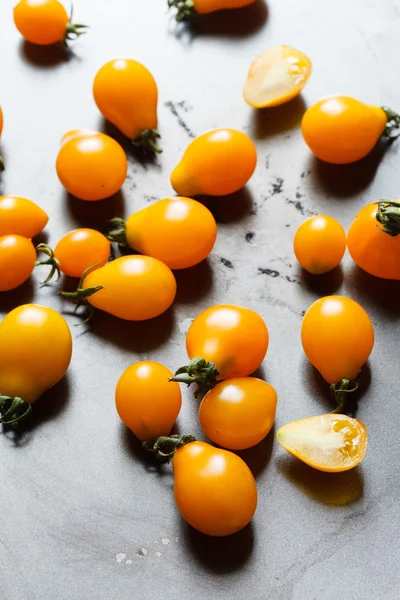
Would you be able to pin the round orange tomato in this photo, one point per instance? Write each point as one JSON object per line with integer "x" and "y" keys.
{"x": 146, "y": 401}
{"x": 135, "y": 288}
{"x": 45, "y": 22}
{"x": 330, "y": 443}
{"x": 238, "y": 413}
{"x": 126, "y": 94}
{"x": 20, "y": 216}
{"x": 342, "y": 130}
{"x": 319, "y": 244}
{"x": 90, "y": 165}
{"x": 17, "y": 261}
{"x": 178, "y": 231}
{"x": 216, "y": 163}
{"x": 375, "y": 250}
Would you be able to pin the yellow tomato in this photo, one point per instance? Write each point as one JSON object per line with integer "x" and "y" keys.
{"x": 276, "y": 76}
{"x": 146, "y": 401}
{"x": 330, "y": 443}
{"x": 20, "y": 216}
{"x": 90, "y": 165}
{"x": 17, "y": 261}
{"x": 186, "y": 8}
{"x": 342, "y": 130}
{"x": 35, "y": 352}
{"x": 216, "y": 163}
{"x": 178, "y": 231}
{"x": 319, "y": 244}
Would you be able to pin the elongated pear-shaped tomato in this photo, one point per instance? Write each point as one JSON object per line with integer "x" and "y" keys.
{"x": 276, "y": 76}
{"x": 17, "y": 261}
{"x": 216, "y": 163}
{"x": 330, "y": 443}
{"x": 180, "y": 232}
{"x": 21, "y": 216}
{"x": 342, "y": 130}
{"x": 135, "y": 288}
{"x": 373, "y": 245}
{"x": 126, "y": 94}
{"x": 35, "y": 352}
{"x": 187, "y": 8}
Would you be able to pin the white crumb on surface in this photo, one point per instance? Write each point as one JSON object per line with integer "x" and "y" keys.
{"x": 142, "y": 552}
{"x": 120, "y": 557}
{"x": 128, "y": 562}
{"x": 158, "y": 554}
{"x": 165, "y": 541}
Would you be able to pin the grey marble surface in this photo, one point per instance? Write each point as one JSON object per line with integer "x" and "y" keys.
{"x": 84, "y": 515}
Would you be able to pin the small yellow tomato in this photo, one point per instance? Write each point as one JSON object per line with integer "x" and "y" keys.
{"x": 146, "y": 401}
{"x": 35, "y": 352}
{"x": 216, "y": 163}
{"x": 330, "y": 443}
{"x": 238, "y": 413}
{"x": 276, "y": 76}
{"x": 319, "y": 244}
{"x": 178, "y": 231}
{"x": 17, "y": 261}
{"x": 21, "y": 216}
{"x": 91, "y": 166}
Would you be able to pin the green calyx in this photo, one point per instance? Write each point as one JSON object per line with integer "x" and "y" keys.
{"x": 147, "y": 140}
{"x": 2, "y": 166}
{"x": 388, "y": 216}
{"x": 164, "y": 447}
{"x": 392, "y": 129}
{"x": 185, "y": 9}
{"x": 50, "y": 260}
{"x": 198, "y": 371}
{"x": 81, "y": 295}
{"x": 340, "y": 391}
{"x": 73, "y": 30}
{"x": 13, "y": 410}
{"x": 118, "y": 234}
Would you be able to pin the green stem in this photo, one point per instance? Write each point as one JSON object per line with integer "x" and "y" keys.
{"x": 388, "y": 216}
{"x": 340, "y": 391}
{"x": 198, "y": 371}
{"x": 2, "y": 166}
{"x": 73, "y": 30}
{"x": 13, "y": 410}
{"x": 118, "y": 234}
{"x": 81, "y": 295}
{"x": 164, "y": 447}
{"x": 50, "y": 260}
{"x": 185, "y": 9}
{"x": 392, "y": 129}
{"x": 147, "y": 140}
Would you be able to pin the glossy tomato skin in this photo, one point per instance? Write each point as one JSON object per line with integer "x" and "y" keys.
{"x": 373, "y": 250}
{"x": 35, "y": 351}
{"x": 21, "y": 216}
{"x": 126, "y": 94}
{"x": 238, "y": 413}
{"x": 214, "y": 489}
{"x": 203, "y": 7}
{"x": 41, "y": 22}
{"x": 146, "y": 401}
{"x": 178, "y": 231}
{"x": 17, "y": 261}
{"x": 319, "y": 244}
{"x": 136, "y": 288}
{"x": 216, "y": 163}
{"x": 91, "y": 166}
{"x": 342, "y": 130}
{"x": 276, "y": 76}
{"x": 235, "y": 338}
{"x": 337, "y": 337}
{"x": 80, "y": 249}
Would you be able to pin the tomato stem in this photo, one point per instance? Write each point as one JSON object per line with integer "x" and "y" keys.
{"x": 13, "y": 410}
{"x": 73, "y": 30}
{"x": 198, "y": 371}
{"x": 164, "y": 447}
{"x": 81, "y": 295}
{"x": 50, "y": 260}
{"x": 388, "y": 216}
{"x": 339, "y": 392}
{"x": 118, "y": 234}
{"x": 392, "y": 129}
{"x": 185, "y": 9}
{"x": 2, "y": 166}
{"x": 147, "y": 140}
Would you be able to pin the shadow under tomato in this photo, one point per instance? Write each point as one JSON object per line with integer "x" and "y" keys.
{"x": 45, "y": 56}
{"x": 133, "y": 447}
{"x": 219, "y": 555}
{"x": 375, "y": 292}
{"x": 335, "y": 489}
{"x": 95, "y": 215}
{"x": 139, "y": 155}
{"x": 258, "y": 457}
{"x": 267, "y": 122}
{"x": 322, "y": 285}
{"x": 23, "y": 294}
{"x": 230, "y": 208}
{"x": 48, "y": 407}
{"x": 194, "y": 283}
